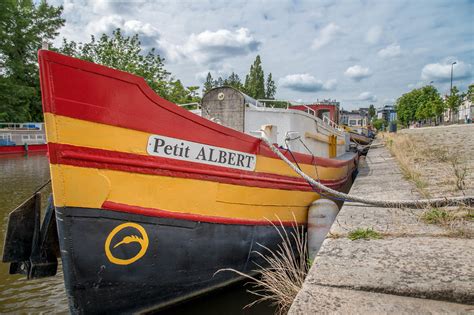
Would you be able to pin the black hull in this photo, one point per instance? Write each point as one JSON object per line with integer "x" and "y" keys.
{"x": 180, "y": 261}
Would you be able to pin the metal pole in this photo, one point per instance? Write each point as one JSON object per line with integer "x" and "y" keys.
{"x": 451, "y": 90}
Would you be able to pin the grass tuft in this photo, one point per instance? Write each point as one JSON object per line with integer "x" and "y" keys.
{"x": 437, "y": 216}
{"x": 408, "y": 157}
{"x": 364, "y": 234}
{"x": 284, "y": 272}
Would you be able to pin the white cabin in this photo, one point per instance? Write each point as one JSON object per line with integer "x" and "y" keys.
{"x": 296, "y": 130}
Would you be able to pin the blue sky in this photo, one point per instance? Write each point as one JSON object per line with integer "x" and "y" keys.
{"x": 357, "y": 52}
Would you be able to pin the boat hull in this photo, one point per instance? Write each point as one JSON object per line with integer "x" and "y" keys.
{"x": 360, "y": 139}
{"x": 21, "y": 149}
{"x": 151, "y": 199}
{"x": 179, "y": 261}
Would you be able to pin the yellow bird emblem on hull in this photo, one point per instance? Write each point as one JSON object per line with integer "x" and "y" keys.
{"x": 130, "y": 239}
{"x": 133, "y": 238}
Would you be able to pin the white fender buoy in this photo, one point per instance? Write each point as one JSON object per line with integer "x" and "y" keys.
{"x": 269, "y": 132}
{"x": 321, "y": 215}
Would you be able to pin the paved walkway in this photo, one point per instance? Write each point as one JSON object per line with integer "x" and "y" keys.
{"x": 414, "y": 268}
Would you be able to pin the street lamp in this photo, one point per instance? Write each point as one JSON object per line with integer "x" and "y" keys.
{"x": 451, "y": 90}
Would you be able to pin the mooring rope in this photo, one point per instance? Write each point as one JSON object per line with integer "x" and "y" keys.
{"x": 421, "y": 203}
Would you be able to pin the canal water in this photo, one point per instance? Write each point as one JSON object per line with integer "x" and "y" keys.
{"x": 20, "y": 176}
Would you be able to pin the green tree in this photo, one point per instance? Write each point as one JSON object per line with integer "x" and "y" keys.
{"x": 379, "y": 123}
{"x": 419, "y": 104}
{"x": 23, "y": 28}
{"x": 124, "y": 53}
{"x": 372, "y": 111}
{"x": 270, "y": 88}
{"x": 208, "y": 84}
{"x": 470, "y": 93}
{"x": 181, "y": 95}
{"x": 255, "y": 81}
{"x": 219, "y": 82}
{"x": 453, "y": 102}
{"x": 234, "y": 81}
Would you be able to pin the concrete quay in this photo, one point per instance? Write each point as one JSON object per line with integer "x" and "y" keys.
{"x": 414, "y": 267}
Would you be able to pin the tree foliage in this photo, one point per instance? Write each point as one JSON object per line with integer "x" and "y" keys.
{"x": 125, "y": 53}
{"x": 454, "y": 100}
{"x": 419, "y": 104}
{"x": 270, "y": 88}
{"x": 255, "y": 81}
{"x": 23, "y": 28}
{"x": 233, "y": 81}
{"x": 208, "y": 84}
{"x": 255, "y": 84}
{"x": 379, "y": 123}
{"x": 372, "y": 111}
{"x": 470, "y": 93}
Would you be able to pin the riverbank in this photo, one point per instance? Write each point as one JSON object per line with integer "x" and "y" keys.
{"x": 379, "y": 260}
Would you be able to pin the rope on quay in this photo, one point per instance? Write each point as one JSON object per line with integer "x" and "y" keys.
{"x": 421, "y": 203}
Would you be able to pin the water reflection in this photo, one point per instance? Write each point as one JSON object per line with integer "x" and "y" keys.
{"x": 19, "y": 178}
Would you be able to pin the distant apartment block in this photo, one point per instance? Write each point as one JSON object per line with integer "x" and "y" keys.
{"x": 358, "y": 118}
{"x": 387, "y": 113}
{"x": 466, "y": 110}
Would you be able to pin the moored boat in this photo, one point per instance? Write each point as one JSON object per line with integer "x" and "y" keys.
{"x": 151, "y": 199}
{"x": 22, "y": 138}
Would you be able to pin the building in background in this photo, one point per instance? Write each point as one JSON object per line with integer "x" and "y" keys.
{"x": 321, "y": 109}
{"x": 387, "y": 113}
{"x": 355, "y": 119}
{"x": 466, "y": 110}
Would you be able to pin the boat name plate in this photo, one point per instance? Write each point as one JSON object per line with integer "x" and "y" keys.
{"x": 179, "y": 149}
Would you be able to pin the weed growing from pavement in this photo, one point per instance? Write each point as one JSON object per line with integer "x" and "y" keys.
{"x": 364, "y": 234}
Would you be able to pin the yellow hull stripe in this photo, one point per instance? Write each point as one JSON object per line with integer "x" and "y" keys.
{"x": 65, "y": 130}
{"x": 86, "y": 187}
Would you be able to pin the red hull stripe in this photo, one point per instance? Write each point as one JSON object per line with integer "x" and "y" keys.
{"x": 127, "y": 162}
{"x": 109, "y": 205}
{"x": 113, "y": 97}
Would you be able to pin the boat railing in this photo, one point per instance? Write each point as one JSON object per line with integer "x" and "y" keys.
{"x": 22, "y": 126}
{"x": 264, "y": 101}
{"x": 310, "y": 111}
{"x": 198, "y": 106}
{"x": 332, "y": 123}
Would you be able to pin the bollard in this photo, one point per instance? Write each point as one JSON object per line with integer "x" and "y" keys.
{"x": 321, "y": 215}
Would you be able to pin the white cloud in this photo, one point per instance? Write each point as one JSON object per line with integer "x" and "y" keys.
{"x": 326, "y": 35}
{"x": 374, "y": 34}
{"x": 209, "y": 46}
{"x": 135, "y": 26}
{"x": 367, "y": 96}
{"x": 390, "y": 51}
{"x": 222, "y": 71}
{"x": 116, "y": 6}
{"x": 105, "y": 24}
{"x": 357, "y": 72}
{"x": 441, "y": 72}
{"x": 389, "y": 101}
{"x": 306, "y": 83}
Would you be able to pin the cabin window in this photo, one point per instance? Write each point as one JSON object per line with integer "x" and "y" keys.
{"x": 39, "y": 137}
{"x": 352, "y": 122}
{"x": 6, "y": 136}
{"x": 24, "y": 137}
